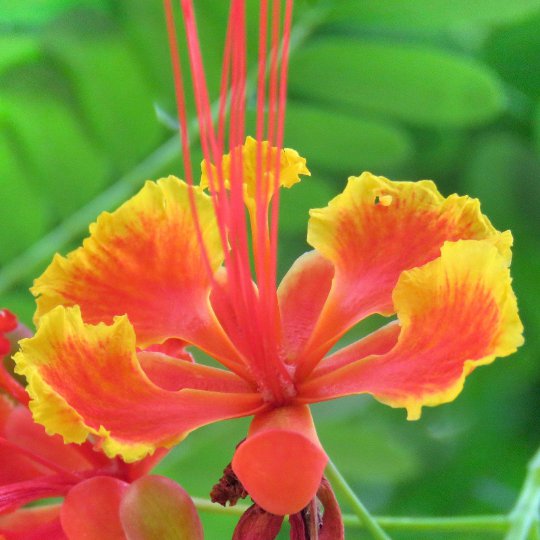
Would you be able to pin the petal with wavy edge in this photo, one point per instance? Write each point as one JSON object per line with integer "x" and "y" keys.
{"x": 155, "y": 507}
{"x": 144, "y": 260}
{"x": 91, "y": 509}
{"x": 32, "y": 524}
{"x": 456, "y": 312}
{"x": 281, "y": 462}
{"x": 86, "y": 379}
{"x": 292, "y": 165}
{"x": 302, "y": 294}
{"x": 377, "y": 229}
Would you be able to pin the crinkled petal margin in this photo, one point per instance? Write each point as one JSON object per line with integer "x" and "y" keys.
{"x": 375, "y": 230}
{"x": 144, "y": 260}
{"x": 456, "y": 312}
{"x": 87, "y": 380}
{"x": 291, "y": 166}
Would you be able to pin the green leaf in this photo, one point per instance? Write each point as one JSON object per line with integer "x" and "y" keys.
{"x": 423, "y": 86}
{"x": 515, "y": 53}
{"x": 536, "y": 127}
{"x": 17, "y": 49}
{"x": 33, "y": 12}
{"x": 344, "y": 143}
{"x": 110, "y": 86}
{"x": 296, "y": 202}
{"x": 23, "y": 218}
{"x": 66, "y": 168}
{"x": 368, "y": 450}
{"x": 503, "y": 173}
{"x": 432, "y": 13}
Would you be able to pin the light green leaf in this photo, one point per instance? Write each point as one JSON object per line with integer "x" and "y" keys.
{"x": 66, "y": 168}
{"x": 344, "y": 143}
{"x": 17, "y": 49}
{"x": 110, "y": 86}
{"x": 432, "y": 13}
{"x": 423, "y": 86}
{"x": 32, "y": 12}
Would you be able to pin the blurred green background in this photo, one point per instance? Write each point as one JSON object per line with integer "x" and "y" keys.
{"x": 409, "y": 89}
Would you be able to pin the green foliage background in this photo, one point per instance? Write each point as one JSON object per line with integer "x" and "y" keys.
{"x": 409, "y": 89}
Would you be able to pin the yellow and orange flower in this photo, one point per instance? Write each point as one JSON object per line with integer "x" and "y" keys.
{"x": 108, "y": 360}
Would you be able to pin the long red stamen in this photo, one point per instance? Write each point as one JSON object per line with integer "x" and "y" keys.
{"x": 256, "y": 310}
{"x": 184, "y": 132}
{"x": 282, "y": 98}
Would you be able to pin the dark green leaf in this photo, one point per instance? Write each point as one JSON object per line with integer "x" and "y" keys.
{"x": 515, "y": 53}
{"x": 503, "y": 173}
{"x": 344, "y": 143}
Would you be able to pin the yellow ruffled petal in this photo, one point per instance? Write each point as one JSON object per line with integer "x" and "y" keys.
{"x": 375, "y": 230}
{"x": 292, "y": 165}
{"x": 456, "y": 313}
{"x": 144, "y": 260}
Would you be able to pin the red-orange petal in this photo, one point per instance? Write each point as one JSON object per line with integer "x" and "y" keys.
{"x": 174, "y": 374}
{"x": 91, "y": 509}
{"x": 32, "y": 524}
{"x": 144, "y": 260}
{"x": 86, "y": 379}
{"x": 281, "y": 462}
{"x": 375, "y": 230}
{"x": 302, "y": 294}
{"x": 23, "y": 431}
{"x": 378, "y": 342}
{"x": 456, "y": 312}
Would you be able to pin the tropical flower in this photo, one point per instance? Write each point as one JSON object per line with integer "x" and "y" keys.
{"x": 172, "y": 268}
{"x": 103, "y": 498}
{"x": 380, "y": 247}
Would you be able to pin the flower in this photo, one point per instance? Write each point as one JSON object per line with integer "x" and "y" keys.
{"x": 171, "y": 268}
{"x": 103, "y": 498}
{"x": 137, "y": 282}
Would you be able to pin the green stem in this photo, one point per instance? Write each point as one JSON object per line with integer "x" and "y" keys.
{"x": 459, "y": 524}
{"x": 340, "y": 484}
{"x": 456, "y": 525}
{"x": 525, "y": 512}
